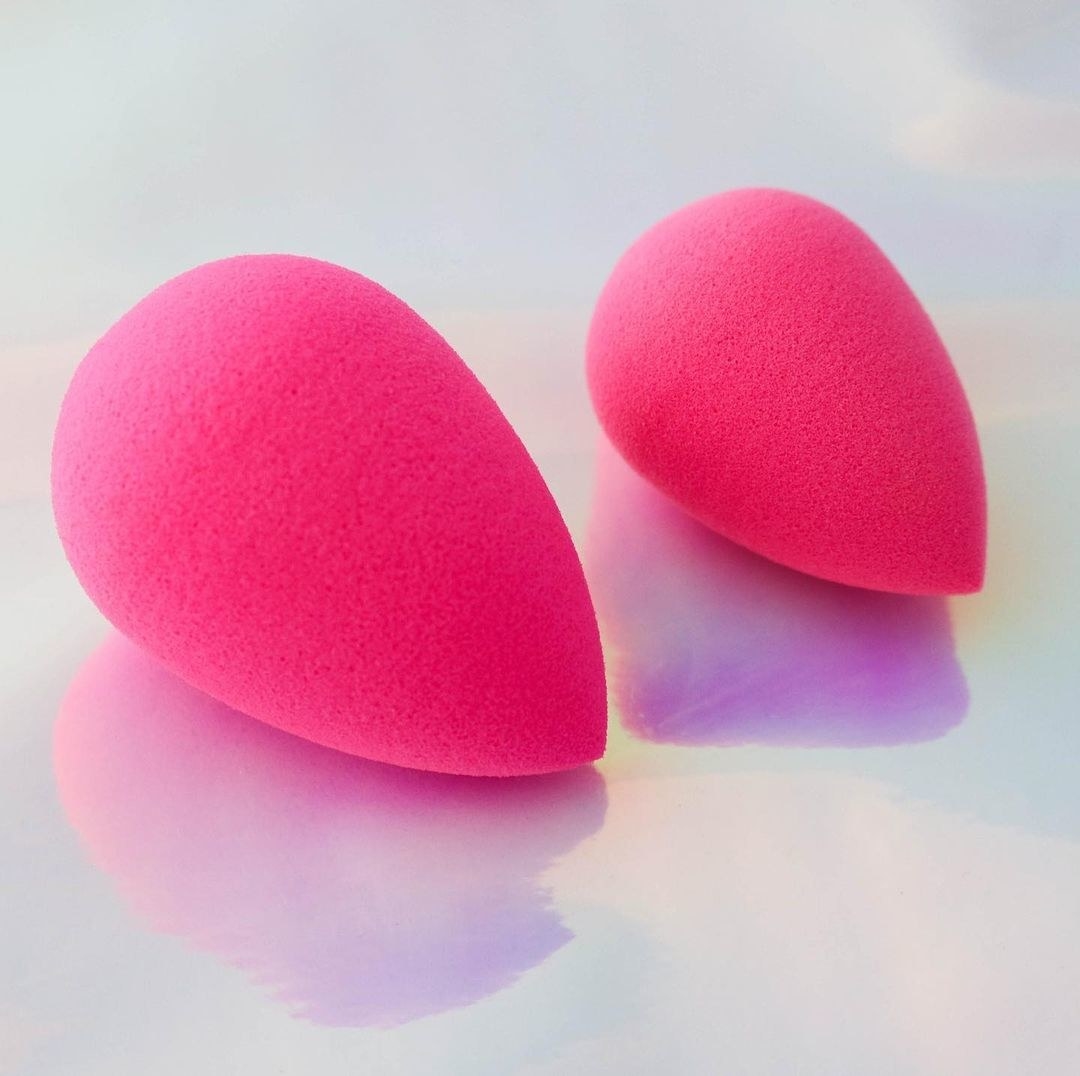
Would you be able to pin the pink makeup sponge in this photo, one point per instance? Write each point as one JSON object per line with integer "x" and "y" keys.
{"x": 758, "y": 358}
{"x": 278, "y": 479}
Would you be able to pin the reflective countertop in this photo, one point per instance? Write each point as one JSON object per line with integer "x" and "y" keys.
{"x": 834, "y": 832}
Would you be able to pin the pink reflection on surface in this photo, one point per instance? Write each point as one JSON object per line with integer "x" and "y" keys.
{"x": 710, "y": 644}
{"x": 358, "y": 893}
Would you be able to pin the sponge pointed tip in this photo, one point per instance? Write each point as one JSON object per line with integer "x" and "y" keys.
{"x": 953, "y": 577}
{"x": 971, "y": 577}
{"x": 561, "y": 754}
{"x": 964, "y": 570}
{"x": 583, "y": 752}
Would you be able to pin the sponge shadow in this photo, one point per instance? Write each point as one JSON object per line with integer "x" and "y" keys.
{"x": 710, "y": 644}
{"x": 359, "y": 894}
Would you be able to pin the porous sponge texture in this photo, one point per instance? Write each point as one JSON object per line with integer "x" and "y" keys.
{"x": 283, "y": 483}
{"x": 758, "y": 358}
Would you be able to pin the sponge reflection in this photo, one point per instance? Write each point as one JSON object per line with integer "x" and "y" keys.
{"x": 710, "y": 644}
{"x": 357, "y": 893}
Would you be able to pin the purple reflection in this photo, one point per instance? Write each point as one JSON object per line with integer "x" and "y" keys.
{"x": 710, "y": 644}
{"x": 358, "y": 893}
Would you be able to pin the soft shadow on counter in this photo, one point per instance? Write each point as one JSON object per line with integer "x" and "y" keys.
{"x": 357, "y": 893}
{"x": 710, "y": 644}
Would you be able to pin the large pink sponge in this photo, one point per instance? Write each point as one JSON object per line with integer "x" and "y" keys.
{"x": 283, "y": 483}
{"x": 759, "y": 359}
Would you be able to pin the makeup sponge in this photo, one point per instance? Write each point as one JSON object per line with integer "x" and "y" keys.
{"x": 759, "y": 359}
{"x": 278, "y": 479}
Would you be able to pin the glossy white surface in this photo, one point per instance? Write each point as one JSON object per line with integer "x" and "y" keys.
{"x": 218, "y": 897}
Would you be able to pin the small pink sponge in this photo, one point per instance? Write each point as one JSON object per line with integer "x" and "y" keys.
{"x": 758, "y": 358}
{"x": 284, "y": 484}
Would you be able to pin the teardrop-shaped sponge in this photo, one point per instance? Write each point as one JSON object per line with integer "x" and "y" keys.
{"x": 278, "y": 479}
{"x": 761, "y": 361}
